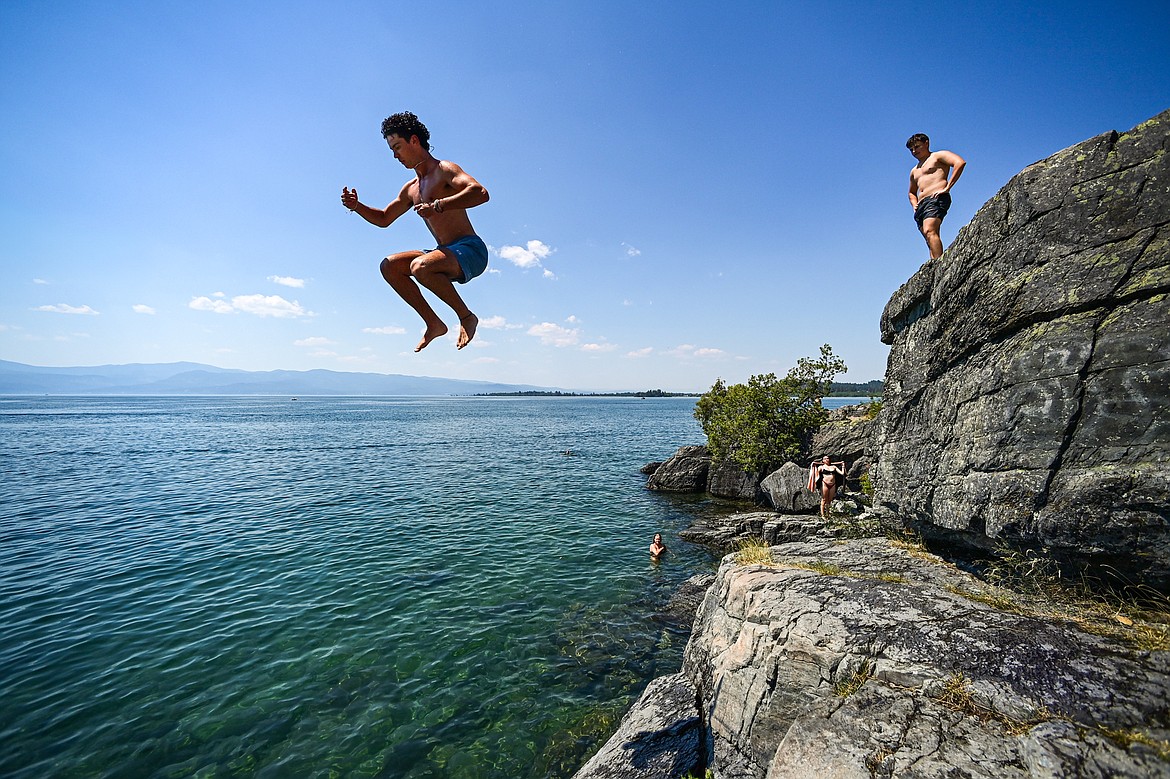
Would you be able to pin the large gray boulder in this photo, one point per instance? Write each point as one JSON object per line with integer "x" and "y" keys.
{"x": 684, "y": 471}
{"x": 728, "y": 480}
{"x": 787, "y": 490}
{"x": 1027, "y": 395}
{"x": 863, "y": 658}
{"x": 658, "y": 737}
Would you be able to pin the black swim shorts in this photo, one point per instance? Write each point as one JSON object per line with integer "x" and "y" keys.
{"x": 935, "y": 206}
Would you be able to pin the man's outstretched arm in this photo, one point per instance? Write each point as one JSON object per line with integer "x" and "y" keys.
{"x": 379, "y": 217}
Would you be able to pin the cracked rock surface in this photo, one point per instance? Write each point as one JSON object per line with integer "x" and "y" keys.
{"x": 862, "y": 658}
{"x": 1027, "y": 394}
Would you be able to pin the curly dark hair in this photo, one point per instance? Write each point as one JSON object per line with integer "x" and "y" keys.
{"x": 404, "y": 125}
{"x": 915, "y": 138}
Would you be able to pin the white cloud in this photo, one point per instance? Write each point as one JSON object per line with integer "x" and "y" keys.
{"x": 548, "y": 274}
{"x": 493, "y": 322}
{"x": 65, "y": 308}
{"x": 388, "y": 330}
{"x": 554, "y": 335}
{"x": 485, "y": 360}
{"x": 141, "y": 309}
{"x": 572, "y": 319}
{"x": 526, "y": 257}
{"x": 258, "y": 305}
{"x": 497, "y": 323}
{"x": 643, "y": 352}
{"x": 598, "y": 347}
{"x": 39, "y": 281}
{"x": 287, "y": 281}
{"x": 689, "y": 350}
{"x": 205, "y": 303}
{"x": 315, "y": 340}
{"x": 631, "y": 251}
{"x": 268, "y": 305}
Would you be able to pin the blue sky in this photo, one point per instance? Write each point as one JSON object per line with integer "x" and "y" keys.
{"x": 680, "y": 191}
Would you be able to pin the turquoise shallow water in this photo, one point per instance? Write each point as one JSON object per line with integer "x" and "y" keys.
{"x": 331, "y": 586}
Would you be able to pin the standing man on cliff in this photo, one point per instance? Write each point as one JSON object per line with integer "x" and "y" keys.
{"x": 930, "y": 188}
{"x": 440, "y": 193}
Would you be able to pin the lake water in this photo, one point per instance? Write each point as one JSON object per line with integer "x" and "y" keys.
{"x": 393, "y": 587}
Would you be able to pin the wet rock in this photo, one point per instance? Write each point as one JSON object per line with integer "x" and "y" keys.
{"x": 685, "y": 471}
{"x": 658, "y": 737}
{"x": 680, "y": 611}
{"x": 728, "y": 480}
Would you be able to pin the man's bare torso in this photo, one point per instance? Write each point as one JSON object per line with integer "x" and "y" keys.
{"x": 453, "y": 223}
{"x": 930, "y": 175}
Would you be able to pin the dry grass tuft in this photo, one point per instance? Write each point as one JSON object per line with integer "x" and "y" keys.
{"x": 754, "y": 551}
{"x": 852, "y": 683}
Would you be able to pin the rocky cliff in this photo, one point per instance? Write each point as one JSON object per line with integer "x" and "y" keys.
{"x": 1027, "y": 395}
{"x": 1026, "y": 404}
{"x": 839, "y": 656}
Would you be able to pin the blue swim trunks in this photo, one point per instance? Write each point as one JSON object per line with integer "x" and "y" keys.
{"x": 472, "y": 254}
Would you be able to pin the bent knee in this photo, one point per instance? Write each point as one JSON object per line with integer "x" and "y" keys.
{"x": 396, "y": 264}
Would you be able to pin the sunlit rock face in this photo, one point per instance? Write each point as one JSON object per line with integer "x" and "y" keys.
{"x": 1027, "y": 395}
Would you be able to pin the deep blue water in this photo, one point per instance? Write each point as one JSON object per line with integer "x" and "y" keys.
{"x": 421, "y": 587}
{"x": 360, "y": 587}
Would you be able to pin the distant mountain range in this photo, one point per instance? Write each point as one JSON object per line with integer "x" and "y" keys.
{"x": 188, "y": 378}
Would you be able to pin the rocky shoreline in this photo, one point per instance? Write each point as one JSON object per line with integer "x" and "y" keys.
{"x": 872, "y": 657}
{"x": 1026, "y": 419}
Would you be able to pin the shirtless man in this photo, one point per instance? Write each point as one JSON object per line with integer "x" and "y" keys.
{"x": 440, "y": 193}
{"x": 930, "y": 188}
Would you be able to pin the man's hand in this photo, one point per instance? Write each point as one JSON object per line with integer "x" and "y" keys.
{"x": 427, "y": 210}
{"x": 349, "y": 198}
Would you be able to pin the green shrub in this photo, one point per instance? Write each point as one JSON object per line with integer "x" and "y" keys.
{"x": 764, "y": 423}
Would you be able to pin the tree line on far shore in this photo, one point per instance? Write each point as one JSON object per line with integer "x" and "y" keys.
{"x": 837, "y": 389}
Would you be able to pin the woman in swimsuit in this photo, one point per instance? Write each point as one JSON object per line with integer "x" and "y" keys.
{"x": 824, "y": 478}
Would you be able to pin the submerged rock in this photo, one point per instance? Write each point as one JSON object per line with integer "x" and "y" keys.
{"x": 658, "y": 738}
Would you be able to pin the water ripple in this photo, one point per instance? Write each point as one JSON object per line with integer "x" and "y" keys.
{"x": 383, "y": 587}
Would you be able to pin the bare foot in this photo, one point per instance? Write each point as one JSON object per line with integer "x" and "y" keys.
{"x": 433, "y": 331}
{"x": 467, "y": 327}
